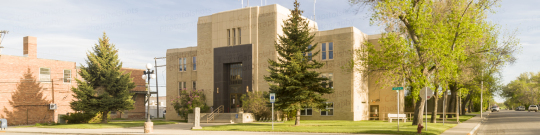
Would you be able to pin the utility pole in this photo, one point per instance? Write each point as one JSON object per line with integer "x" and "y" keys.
{"x": 3, "y": 32}
{"x": 157, "y": 91}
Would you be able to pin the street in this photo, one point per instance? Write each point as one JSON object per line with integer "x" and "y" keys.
{"x": 511, "y": 122}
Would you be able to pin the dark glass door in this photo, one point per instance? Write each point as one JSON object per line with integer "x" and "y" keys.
{"x": 374, "y": 112}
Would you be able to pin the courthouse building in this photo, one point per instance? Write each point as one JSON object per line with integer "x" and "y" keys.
{"x": 231, "y": 59}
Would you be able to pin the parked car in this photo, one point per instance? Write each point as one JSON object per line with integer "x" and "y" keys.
{"x": 533, "y": 108}
{"x": 521, "y": 108}
{"x": 495, "y": 109}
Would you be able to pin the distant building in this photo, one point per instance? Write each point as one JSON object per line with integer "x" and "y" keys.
{"x": 153, "y": 106}
{"x": 231, "y": 55}
{"x": 139, "y": 96}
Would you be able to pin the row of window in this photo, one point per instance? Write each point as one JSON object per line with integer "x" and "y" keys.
{"x": 45, "y": 75}
{"x": 327, "y": 51}
{"x": 328, "y": 111}
{"x": 183, "y": 86}
{"x": 182, "y": 64}
{"x": 232, "y": 32}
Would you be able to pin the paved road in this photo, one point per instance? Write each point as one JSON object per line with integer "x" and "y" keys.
{"x": 510, "y": 122}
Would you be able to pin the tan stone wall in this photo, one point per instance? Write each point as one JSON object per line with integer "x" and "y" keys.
{"x": 174, "y": 75}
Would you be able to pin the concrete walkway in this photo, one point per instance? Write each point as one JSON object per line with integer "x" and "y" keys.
{"x": 176, "y": 129}
{"x": 466, "y": 127}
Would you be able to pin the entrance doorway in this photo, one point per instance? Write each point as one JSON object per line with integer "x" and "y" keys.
{"x": 374, "y": 112}
{"x": 235, "y": 82}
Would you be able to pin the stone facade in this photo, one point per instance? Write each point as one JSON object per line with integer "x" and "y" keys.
{"x": 258, "y": 28}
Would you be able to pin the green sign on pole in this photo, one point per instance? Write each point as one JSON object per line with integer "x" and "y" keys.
{"x": 397, "y": 88}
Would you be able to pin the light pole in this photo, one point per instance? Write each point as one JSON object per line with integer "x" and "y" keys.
{"x": 149, "y": 74}
{"x": 157, "y": 90}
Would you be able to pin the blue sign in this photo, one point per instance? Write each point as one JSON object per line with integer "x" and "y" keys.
{"x": 272, "y": 97}
{"x": 237, "y": 116}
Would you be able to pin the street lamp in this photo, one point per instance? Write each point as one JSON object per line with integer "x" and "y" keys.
{"x": 149, "y": 74}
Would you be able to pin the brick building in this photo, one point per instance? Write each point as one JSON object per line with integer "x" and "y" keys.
{"x": 231, "y": 55}
{"x": 28, "y": 85}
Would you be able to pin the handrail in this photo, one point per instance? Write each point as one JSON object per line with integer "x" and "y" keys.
{"x": 214, "y": 112}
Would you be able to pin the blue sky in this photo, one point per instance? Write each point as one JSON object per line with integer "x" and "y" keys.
{"x": 144, "y": 29}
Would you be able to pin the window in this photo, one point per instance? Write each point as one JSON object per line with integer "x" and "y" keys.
{"x": 330, "y": 50}
{"x": 228, "y": 37}
{"x": 185, "y": 64}
{"x": 180, "y": 64}
{"x": 44, "y": 74}
{"x": 235, "y": 73}
{"x": 309, "y": 53}
{"x": 113, "y": 112}
{"x": 234, "y": 36}
{"x": 330, "y": 82}
{"x": 184, "y": 86}
{"x": 327, "y": 51}
{"x": 306, "y": 112}
{"x": 194, "y": 63}
{"x": 239, "y": 36}
{"x": 195, "y": 85}
{"x": 67, "y": 76}
{"x": 323, "y": 50}
{"x": 329, "y": 109}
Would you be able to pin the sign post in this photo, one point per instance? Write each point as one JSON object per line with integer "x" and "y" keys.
{"x": 272, "y": 100}
{"x": 426, "y": 93}
{"x": 397, "y": 90}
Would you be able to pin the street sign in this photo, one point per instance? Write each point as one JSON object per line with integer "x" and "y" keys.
{"x": 272, "y": 97}
{"x": 424, "y": 91}
{"x": 397, "y": 88}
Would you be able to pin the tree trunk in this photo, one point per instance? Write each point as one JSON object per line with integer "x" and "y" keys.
{"x": 450, "y": 101}
{"x": 464, "y": 104}
{"x": 418, "y": 112}
{"x": 435, "y": 103}
{"x": 470, "y": 106}
{"x": 445, "y": 105}
{"x": 297, "y": 122}
{"x": 104, "y": 117}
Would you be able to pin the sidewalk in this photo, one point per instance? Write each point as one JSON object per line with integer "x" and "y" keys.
{"x": 172, "y": 129}
{"x": 466, "y": 127}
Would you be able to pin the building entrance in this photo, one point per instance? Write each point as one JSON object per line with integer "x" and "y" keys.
{"x": 374, "y": 112}
{"x": 235, "y": 83}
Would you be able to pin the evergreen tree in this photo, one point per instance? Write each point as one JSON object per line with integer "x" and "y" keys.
{"x": 105, "y": 88}
{"x": 292, "y": 77}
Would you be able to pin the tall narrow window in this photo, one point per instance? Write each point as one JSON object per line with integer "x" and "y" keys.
{"x": 331, "y": 80}
{"x": 330, "y": 50}
{"x": 185, "y": 64}
{"x": 184, "y": 85}
{"x": 239, "y": 36}
{"x": 179, "y": 88}
{"x": 234, "y": 36}
{"x": 180, "y": 64}
{"x": 309, "y": 53}
{"x": 195, "y": 85}
{"x": 323, "y": 50}
{"x": 228, "y": 37}
{"x": 194, "y": 63}
{"x": 67, "y": 76}
{"x": 44, "y": 74}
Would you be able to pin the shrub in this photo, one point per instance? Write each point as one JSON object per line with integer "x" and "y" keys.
{"x": 79, "y": 117}
{"x": 97, "y": 118}
{"x": 257, "y": 103}
{"x": 188, "y": 100}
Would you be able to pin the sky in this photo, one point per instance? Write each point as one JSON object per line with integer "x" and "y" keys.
{"x": 144, "y": 29}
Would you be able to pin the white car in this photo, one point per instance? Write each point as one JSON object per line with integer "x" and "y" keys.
{"x": 495, "y": 109}
{"x": 533, "y": 108}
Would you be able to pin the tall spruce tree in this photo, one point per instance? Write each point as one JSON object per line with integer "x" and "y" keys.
{"x": 105, "y": 88}
{"x": 292, "y": 76}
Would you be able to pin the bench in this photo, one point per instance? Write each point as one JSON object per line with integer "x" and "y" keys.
{"x": 396, "y": 116}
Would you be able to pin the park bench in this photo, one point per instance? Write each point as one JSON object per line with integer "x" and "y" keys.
{"x": 396, "y": 116}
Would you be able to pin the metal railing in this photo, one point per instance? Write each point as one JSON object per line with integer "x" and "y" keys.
{"x": 215, "y": 112}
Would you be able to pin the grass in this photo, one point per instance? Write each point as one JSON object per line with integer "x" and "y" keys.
{"x": 114, "y": 124}
{"x": 336, "y": 126}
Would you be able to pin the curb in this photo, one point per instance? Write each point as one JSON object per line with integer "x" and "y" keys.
{"x": 474, "y": 129}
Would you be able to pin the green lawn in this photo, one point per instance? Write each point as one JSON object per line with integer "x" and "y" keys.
{"x": 115, "y": 124}
{"x": 335, "y": 126}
